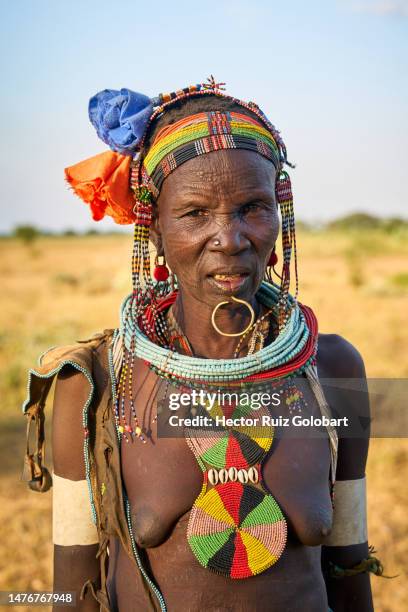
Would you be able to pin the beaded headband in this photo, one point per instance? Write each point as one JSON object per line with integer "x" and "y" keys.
{"x": 202, "y": 133}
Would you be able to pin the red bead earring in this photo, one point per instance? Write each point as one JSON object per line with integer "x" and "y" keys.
{"x": 273, "y": 259}
{"x": 161, "y": 271}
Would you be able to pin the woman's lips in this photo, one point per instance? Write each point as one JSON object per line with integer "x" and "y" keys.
{"x": 229, "y": 282}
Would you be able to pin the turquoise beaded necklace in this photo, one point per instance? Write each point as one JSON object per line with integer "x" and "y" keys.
{"x": 167, "y": 363}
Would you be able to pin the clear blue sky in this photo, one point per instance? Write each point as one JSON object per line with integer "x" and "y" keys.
{"x": 331, "y": 75}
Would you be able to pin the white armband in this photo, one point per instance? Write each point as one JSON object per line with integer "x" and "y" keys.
{"x": 350, "y": 514}
{"x": 71, "y": 513}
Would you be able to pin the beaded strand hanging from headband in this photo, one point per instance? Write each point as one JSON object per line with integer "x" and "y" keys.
{"x": 285, "y": 199}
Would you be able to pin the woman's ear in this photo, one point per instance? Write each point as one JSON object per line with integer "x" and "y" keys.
{"x": 155, "y": 234}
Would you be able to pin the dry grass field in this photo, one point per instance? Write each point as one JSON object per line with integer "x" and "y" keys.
{"x": 57, "y": 290}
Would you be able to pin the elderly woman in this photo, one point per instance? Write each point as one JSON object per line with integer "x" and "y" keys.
{"x": 165, "y": 496}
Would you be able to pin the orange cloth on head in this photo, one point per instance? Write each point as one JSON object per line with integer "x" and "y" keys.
{"x": 102, "y": 182}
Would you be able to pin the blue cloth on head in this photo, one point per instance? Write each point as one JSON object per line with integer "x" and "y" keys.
{"x": 120, "y": 118}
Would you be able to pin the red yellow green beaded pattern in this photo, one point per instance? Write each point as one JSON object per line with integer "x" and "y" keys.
{"x": 240, "y": 446}
{"x": 236, "y": 530}
{"x": 203, "y": 133}
{"x": 236, "y": 527}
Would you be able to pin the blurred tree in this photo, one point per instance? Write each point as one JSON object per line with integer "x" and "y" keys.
{"x": 358, "y": 221}
{"x": 26, "y": 233}
{"x": 395, "y": 224}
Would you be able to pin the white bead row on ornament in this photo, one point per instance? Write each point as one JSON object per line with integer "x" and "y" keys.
{"x": 233, "y": 474}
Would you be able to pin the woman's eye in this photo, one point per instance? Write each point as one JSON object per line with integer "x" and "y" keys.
{"x": 197, "y": 212}
{"x": 251, "y": 207}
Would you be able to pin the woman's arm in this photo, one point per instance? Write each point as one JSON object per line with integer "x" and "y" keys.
{"x": 74, "y": 535}
{"x": 347, "y": 545}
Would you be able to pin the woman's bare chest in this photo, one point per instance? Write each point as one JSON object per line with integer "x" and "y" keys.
{"x": 163, "y": 478}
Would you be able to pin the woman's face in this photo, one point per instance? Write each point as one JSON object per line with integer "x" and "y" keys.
{"x": 217, "y": 222}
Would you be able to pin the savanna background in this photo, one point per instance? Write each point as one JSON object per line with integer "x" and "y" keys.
{"x": 59, "y": 288}
{"x": 332, "y": 75}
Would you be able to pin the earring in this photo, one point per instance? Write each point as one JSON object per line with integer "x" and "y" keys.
{"x": 161, "y": 271}
{"x": 270, "y": 265}
{"x": 273, "y": 259}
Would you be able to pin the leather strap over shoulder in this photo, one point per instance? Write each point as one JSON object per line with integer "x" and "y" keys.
{"x": 40, "y": 379}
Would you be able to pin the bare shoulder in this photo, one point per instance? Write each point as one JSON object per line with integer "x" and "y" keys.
{"x": 338, "y": 358}
{"x": 72, "y": 390}
{"x": 71, "y": 394}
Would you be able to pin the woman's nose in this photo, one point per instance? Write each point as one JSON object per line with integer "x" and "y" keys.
{"x": 229, "y": 239}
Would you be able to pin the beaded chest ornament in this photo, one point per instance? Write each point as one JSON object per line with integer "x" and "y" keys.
{"x": 236, "y": 527}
